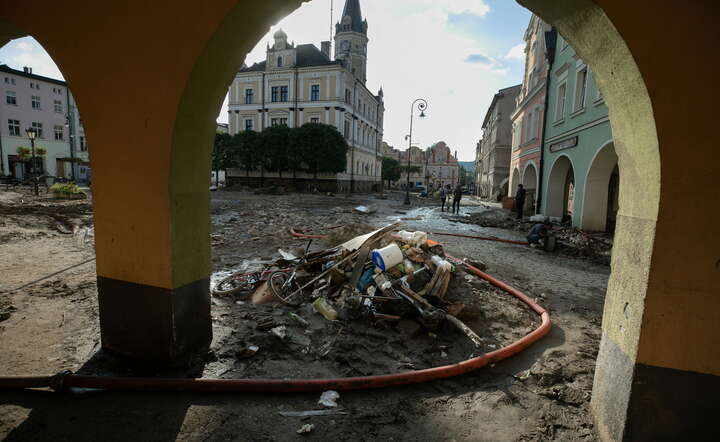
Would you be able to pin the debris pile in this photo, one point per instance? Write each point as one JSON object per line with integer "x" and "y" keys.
{"x": 378, "y": 303}
{"x": 571, "y": 241}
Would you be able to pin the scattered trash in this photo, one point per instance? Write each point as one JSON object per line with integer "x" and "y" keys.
{"x": 280, "y": 332}
{"x": 248, "y": 351}
{"x": 297, "y": 318}
{"x": 310, "y": 413}
{"x": 305, "y": 429}
{"x": 365, "y": 210}
{"x": 387, "y": 257}
{"x": 328, "y": 399}
{"x": 323, "y": 307}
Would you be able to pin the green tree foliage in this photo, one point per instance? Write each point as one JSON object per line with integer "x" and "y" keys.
{"x": 275, "y": 147}
{"x": 222, "y": 154}
{"x": 464, "y": 176}
{"x": 390, "y": 169}
{"x": 322, "y": 148}
{"x": 247, "y": 150}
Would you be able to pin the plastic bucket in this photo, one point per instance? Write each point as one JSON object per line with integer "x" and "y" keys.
{"x": 387, "y": 257}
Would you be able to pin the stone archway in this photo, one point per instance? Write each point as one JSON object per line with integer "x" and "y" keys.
{"x": 514, "y": 181}
{"x": 153, "y": 247}
{"x": 557, "y": 193}
{"x": 529, "y": 181}
{"x": 597, "y": 189}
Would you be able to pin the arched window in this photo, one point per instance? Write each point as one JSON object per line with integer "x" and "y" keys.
{"x": 279, "y": 62}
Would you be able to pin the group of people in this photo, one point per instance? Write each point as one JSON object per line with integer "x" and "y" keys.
{"x": 456, "y": 195}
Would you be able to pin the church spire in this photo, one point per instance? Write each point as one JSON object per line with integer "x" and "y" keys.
{"x": 351, "y": 20}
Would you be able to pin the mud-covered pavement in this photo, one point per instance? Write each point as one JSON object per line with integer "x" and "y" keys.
{"x": 541, "y": 394}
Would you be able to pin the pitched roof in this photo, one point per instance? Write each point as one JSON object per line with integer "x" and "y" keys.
{"x": 512, "y": 89}
{"x": 352, "y": 9}
{"x": 9, "y": 70}
{"x": 308, "y": 55}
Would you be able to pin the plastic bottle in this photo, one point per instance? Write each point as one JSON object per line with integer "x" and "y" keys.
{"x": 323, "y": 307}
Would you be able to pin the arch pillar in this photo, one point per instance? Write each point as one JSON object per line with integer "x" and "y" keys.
{"x": 150, "y": 79}
{"x": 655, "y": 377}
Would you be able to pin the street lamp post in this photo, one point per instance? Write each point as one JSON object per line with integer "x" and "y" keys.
{"x": 421, "y": 106}
{"x": 31, "y": 134}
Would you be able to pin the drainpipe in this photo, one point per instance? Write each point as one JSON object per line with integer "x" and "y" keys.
{"x": 71, "y": 135}
{"x": 2, "y": 164}
{"x": 352, "y": 154}
{"x": 550, "y": 44}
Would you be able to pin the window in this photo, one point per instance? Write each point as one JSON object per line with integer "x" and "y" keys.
{"x": 59, "y": 91}
{"x": 315, "y": 92}
{"x": 7, "y": 80}
{"x": 348, "y": 96}
{"x": 580, "y": 89}
{"x": 274, "y": 94}
{"x": 314, "y": 120}
{"x": 278, "y": 121}
{"x": 59, "y": 132}
{"x": 10, "y": 98}
{"x": 58, "y": 106}
{"x": 14, "y": 127}
{"x": 38, "y": 129}
{"x": 248, "y": 96}
{"x": 83, "y": 145}
{"x": 283, "y": 121}
{"x": 560, "y": 105}
{"x": 35, "y": 102}
{"x": 347, "y": 130}
{"x": 279, "y": 62}
{"x": 248, "y": 124}
{"x": 54, "y": 91}
{"x": 283, "y": 93}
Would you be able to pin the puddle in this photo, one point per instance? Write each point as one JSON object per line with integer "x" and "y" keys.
{"x": 431, "y": 219}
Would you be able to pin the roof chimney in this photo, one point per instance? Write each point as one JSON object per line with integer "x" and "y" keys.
{"x": 27, "y": 69}
{"x": 325, "y": 48}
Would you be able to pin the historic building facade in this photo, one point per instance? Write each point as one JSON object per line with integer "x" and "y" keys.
{"x": 529, "y": 114}
{"x": 46, "y": 105}
{"x": 298, "y": 84}
{"x": 580, "y": 171}
{"x": 492, "y": 155}
{"x": 442, "y": 168}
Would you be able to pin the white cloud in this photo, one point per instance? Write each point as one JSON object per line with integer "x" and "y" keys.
{"x": 517, "y": 52}
{"x": 24, "y": 46}
{"x": 40, "y": 62}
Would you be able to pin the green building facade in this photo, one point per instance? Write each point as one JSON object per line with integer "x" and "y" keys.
{"x": 579, "y": 165}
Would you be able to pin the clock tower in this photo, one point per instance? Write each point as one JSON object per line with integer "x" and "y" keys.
{"x": 351, "y": 40}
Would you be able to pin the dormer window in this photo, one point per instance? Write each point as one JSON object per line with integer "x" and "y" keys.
{"x": 279, "y": 62}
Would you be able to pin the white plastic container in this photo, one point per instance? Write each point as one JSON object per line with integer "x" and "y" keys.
{"x": 387, "y": 257}
{"x": 413, "y": 238}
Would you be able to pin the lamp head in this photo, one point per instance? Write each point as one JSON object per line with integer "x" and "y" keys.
{"x": 31, "y": 133}
{"x": 422, "y": 114}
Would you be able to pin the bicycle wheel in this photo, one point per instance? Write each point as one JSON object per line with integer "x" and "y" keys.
{"x": 235, "y": 284}
{"x": 281, "y": 287}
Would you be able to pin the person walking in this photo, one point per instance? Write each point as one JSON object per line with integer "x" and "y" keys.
{"x": 443, "y": 197}
{"x": 457, "y": 196}
{"x": 520, "y": 200}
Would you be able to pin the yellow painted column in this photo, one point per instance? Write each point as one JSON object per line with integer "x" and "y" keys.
{"x": 149, "y": 79}
{"x": 657, "y": 373}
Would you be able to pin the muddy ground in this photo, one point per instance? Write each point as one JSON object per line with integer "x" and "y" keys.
{"x": 47, "y": 325}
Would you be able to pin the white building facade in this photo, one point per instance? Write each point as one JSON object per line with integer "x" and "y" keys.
{"x": 298, "y": 84}
{"x": 46, "y": 105}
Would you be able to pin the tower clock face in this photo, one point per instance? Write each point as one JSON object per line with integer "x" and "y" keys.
{"x": 345, "y": 45}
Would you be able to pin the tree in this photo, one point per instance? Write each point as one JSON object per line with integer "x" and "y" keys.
{"x": 246, "y": 149}
{"x": 322, "y": 148}
{"x": 390, "y": 169}
{"x": 222, "y": 155}
{"x": 275, "y": 148}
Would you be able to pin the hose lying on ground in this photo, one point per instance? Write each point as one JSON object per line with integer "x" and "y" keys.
{"x": 69, "y": 380}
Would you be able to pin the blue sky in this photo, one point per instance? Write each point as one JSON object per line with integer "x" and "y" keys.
{"x": 454, "y": 53}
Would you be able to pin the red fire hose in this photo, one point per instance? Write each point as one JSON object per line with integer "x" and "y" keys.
{"x": 67, "y": 379}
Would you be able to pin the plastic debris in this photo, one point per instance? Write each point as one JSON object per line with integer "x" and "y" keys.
{"x": 323, "y": 307}
{"x": 305, "y": 429}
{"x": 299, "y": 319}
{"x": 329, "y": 399}
{"x": 280, "y": 332}
{"x": 310, "y": 413}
